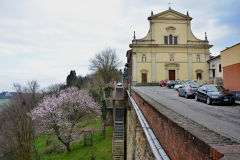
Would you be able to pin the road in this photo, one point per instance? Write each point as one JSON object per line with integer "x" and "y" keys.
{"x": 223, "y": 119}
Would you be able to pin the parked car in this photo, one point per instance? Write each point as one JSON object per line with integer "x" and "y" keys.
{"x": 214, "y": 94}
{"x": 188, "y": 89}
{"x": 163, "y": 83}
{"x": 176, "y": 86}
{"x": 119, "y": 84}
{"x": 172, "y": 83}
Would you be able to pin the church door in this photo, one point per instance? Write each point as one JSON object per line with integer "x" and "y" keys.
{"x": 172, "y": 75}
{"x": 199, "y": 75}
{"x": 144, "y": 77}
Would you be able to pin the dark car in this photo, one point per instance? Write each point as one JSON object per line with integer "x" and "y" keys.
{"x": 188, "y": 90}
{"x": 214, "y": 94}
{"x": 172, "y": 84}
{"x": 163, "y": 83}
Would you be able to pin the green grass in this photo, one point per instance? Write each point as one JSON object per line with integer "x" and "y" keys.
{"x": 101, "y": 148}
{"x": 3, "y": 102}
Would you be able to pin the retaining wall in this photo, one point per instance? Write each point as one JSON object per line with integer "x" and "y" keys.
{"x": 182, "y": 138}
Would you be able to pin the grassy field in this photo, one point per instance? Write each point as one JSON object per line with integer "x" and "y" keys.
{"x": 3, "y": 102}
{"x": 101, "y": 148}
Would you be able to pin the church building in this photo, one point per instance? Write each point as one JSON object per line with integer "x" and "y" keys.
{"x": 169, "y": 51}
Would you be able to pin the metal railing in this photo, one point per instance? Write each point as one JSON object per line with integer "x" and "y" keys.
{"x": 156, "y": 147}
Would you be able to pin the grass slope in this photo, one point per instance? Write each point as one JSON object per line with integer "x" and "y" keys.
{"x": 101, "y": 148}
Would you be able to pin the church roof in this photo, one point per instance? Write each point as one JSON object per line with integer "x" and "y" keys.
{"x": 169, "y": 14}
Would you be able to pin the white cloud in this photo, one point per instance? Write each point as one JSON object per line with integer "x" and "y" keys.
{"x": 45, "y": 39}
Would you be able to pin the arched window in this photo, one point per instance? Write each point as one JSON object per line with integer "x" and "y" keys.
{"x": 171, "y": 58}
{"x": 170, "y": 39}
{"x": 198, "y": 58}
{"x": 144, "y": 58}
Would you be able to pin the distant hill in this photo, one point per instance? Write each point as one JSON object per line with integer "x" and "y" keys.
{"x": 6, "y": 95}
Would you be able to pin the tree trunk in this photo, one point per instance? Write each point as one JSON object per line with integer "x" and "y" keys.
{"x": 68, "y": 147}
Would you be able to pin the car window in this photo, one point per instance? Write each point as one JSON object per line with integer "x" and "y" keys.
{"x": 215, "y": 89}
{"x": 194, "y": 85}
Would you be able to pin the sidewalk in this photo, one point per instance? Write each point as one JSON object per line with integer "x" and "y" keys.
{"x": 237, "y": 102}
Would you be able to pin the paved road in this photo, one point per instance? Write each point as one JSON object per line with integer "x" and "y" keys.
{"x": 222, "y": 119}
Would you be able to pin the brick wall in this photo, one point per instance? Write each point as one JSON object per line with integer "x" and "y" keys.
{"x": 181, "y": 138}
{"x": 231, "y": 77}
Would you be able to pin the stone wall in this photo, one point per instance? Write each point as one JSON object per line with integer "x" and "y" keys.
{"x": 137, "y": 144}
{"x": 109, "y": 117}
{"x": 181, "y": 138}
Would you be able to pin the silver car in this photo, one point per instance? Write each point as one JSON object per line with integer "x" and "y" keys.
{"x": 188, "y": 90}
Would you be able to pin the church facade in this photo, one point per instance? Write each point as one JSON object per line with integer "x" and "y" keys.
{"x": 169, "y": 51}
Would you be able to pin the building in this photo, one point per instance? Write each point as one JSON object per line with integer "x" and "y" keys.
{"x": 169, "y": 50}
{"x": 215, "y": 67}
{"x": 230, "y": 59}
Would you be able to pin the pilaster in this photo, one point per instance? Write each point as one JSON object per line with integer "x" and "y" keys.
{"x": 166, "y": 73}
{"x": 190, "y": 76}
{"x": 178, "y": 74}
{"x": 134, "y": 69}
{"x": 188, "y": 33}
{"x": 152, "y": 31}
{"x": 153, "y": 67}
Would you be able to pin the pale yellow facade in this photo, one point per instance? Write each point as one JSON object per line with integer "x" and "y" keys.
{"x": 169, "y": 50}
{"x": 230, "y": 56}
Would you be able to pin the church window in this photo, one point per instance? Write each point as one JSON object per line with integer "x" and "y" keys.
{"x": 144, "y": 58}
{"x": 165, "y": 39}
{"x": 170, "y": 39}
{"x": 171, "y": 58}
{"x": 175, "y": 40}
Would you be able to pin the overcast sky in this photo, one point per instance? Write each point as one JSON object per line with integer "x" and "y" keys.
{"x": 44, "y": 39}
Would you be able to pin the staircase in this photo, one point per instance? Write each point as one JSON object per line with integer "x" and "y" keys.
{"x": 118, "y": 149}
{"x": 118, "y": 136}
{"x": 116, "y": 102}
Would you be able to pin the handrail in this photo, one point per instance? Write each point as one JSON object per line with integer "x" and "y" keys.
{"x": 156, "y": 147}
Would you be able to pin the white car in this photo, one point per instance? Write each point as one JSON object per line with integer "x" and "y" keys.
{"x": 177, "y": 86}
{"x": 119, "y": 84}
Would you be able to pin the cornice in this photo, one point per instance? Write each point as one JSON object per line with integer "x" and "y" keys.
{"x": 187, "y": 46}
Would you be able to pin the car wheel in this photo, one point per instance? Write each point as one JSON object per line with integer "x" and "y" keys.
{"x": 171, "y": 87}
{"x": 179, "y": 94}
{"x": 186, "y": 95}
{"x": 208, "y": 100}
{"x": 196, "y": 98}
{"x": 162, "y": 85}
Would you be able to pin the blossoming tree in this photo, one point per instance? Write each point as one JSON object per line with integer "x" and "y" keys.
{"x": 59, "y": 113}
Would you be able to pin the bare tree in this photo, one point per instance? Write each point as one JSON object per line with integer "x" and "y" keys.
{"x": 105, "y": 63}
{"x": 17, "y": 128}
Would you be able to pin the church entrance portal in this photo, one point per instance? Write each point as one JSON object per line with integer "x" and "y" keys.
{"x": 171, "y": 75}
{"x": 144, "y": 77}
